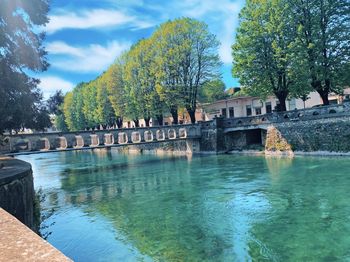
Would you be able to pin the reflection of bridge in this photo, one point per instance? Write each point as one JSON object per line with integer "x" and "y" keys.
{"x": 59, "y": 141}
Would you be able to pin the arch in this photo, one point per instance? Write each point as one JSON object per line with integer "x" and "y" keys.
{"x": 79, "y": 142}
{"x": 148, "y": 135}
{"x": 332, "y": 111}
{"x": 62, "y": 143}
{"x": 315, "y": 113}
{"x": 160, "y": 135}
{"x": 44, "y": 144}
{"x": 182, "y": 133}
{"x": 95, "y": 140}
{"x": 22, "y": 144}
{"x": 171, "y": 134}
{"x": 108, "y": 139}
{"x": 122, "y": 138}
{"x": 135, "y": 137}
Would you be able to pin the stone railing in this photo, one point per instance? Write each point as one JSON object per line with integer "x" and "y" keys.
{"x": 100, "y": 138}
{"x": 294, "y": 115}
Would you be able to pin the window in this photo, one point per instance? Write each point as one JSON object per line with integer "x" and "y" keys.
{"x": 223, "y": 112}
{"x": 249, "y": 110}
{"x": 258, "y": 110}
{"x": 231, "y": 112}
{"x": 268, "y": 107}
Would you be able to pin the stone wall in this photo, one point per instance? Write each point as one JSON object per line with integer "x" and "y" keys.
{"x": 17, "y": 189}
{"x": 326, "y": 134}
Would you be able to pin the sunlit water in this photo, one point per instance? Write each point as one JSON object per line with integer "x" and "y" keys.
{"x": 117, "y": 207}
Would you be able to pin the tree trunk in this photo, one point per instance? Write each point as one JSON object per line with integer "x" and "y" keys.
{"x": 147, "y": 121}
{"x": 192, "y": 114}
{"x": 136, "y": 121}
{"x": 323, "y": 92}
{"x": 324, "y": 96}
{"x": 175, "y": 116}
{"x": 119, "y": 122}
{"x": 159, "y": 119}
{"x": 282, "y": 99}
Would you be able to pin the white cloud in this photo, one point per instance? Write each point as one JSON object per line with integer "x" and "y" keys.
{"x": 93, "y": 58}
{"x": 96, "y": 18}
{"x": 49, "y": 84}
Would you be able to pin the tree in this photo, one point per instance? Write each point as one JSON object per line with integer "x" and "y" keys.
{"x": 104, "y": 111}
{"x": 21, "y": 51}
{"x": 116, "y": 88}
{"x": 140, "y": 79}
{"x": 212, "y": 91}
{"x": 323, "y": 38}
{"x": 54, "y": 103}
{"x": 187, "y": 58}
{"x": 264, "y": 51}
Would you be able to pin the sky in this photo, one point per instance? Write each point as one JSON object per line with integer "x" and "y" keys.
{"x": 84, "y": 37}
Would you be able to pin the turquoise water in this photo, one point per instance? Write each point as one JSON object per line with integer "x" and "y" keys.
{"x": 118, "y": 207}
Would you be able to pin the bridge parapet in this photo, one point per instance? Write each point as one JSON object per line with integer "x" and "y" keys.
{"x": 294, "y": 115}
{"x": 101, "y": 138}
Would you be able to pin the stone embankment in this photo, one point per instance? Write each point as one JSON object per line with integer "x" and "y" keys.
{"x": 17, "y": 189}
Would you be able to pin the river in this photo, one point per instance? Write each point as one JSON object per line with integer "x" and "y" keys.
{"x": 109, "y": 206}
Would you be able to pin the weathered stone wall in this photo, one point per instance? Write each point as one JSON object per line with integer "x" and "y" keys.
{"x": 17, "y": 189}
{"x": 326, "y": 134}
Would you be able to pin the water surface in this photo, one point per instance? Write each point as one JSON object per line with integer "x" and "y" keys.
{"x": 118, "y": 207}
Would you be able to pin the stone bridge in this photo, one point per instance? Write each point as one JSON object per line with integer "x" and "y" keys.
{"x": 59, "y": 141}
{"x": 215, "y": 136}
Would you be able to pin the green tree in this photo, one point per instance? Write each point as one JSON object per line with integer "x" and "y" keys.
{"x": 212, "y": 91}
{"x": 116, "y": 89}
{"x": 264, "y": 51}
{"x": 323, "y": 38}
{"x": 104, "y": 112}
{"x": 140, "y": 79}
{"x": 187, "y": 58}
{"x": 21, "y": 51}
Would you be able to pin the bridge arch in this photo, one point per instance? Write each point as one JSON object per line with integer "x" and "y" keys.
{"x": 62, "y": 143}
{"x": 182, "y": 133}
{"x": 135, "y": 137}
{"x": 172, "y": 133}
{"x": 123, "y": 138}
{"x": 148, "y": 135}
{"x": 108, "y": 139}
{"x": 95, "y": 140}
{"x": 160, "y": 135}
{"x": 44, "y": 144}
{"x": 79, "y": 142}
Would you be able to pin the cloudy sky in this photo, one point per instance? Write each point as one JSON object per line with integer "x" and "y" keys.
{"x": 85, "y": 36}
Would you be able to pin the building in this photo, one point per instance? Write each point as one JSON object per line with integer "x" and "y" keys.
{"x": 243, "y": 106}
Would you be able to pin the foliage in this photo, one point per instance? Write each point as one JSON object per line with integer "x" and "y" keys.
{"x": 21, "y": 51}
{"x": 288, "y": 48}
{"x": 264, "y": 49}
{"x": 212, "y": 91}
{"x": 186, "y": 59}
{"x": 54, "y": 103}
{"x": 163, "y": 72}
{"x": 323, "y": 28}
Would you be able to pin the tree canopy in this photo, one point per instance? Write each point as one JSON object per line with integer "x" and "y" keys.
{"x": 21, "y": 51}
{"x": 288, "y": 48}
{"x": 160, "y": 74}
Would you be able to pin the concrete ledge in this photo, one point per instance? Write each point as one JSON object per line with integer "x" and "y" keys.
{"x": 19, "y": 243}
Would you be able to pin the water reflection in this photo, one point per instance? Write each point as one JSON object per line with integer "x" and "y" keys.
{"x": 212, "y": 208}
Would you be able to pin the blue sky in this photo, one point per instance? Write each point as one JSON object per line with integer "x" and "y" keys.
{"x": 85, "y": 36}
